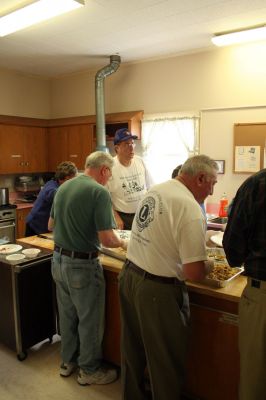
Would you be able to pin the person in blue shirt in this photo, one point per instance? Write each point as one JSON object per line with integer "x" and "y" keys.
{"x": 37, "y": 220}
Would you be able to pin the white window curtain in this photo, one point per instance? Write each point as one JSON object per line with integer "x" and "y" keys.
{"x": 167, "y": 141}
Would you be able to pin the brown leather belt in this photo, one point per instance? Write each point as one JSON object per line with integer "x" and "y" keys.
{"x": 76, "y": 254}
{"x": 152, "y": 277}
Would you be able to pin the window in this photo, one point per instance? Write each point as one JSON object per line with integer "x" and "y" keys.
{"x": 168, "y": 141}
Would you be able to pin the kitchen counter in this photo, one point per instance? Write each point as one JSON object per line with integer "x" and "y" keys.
{"x": 213, "y": 340}
{"x": 23, "y": 205}
{"x": 109, "y": 263}
{"x": 231, "y": 292}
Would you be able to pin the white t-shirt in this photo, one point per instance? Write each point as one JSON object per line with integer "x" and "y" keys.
{"x": 168, "y": 231}
{"x": 128, "y": 185}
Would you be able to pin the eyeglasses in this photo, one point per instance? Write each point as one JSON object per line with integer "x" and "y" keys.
{"x": 128, "y": 143}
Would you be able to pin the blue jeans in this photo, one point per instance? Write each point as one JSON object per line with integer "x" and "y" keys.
{"x": 80, "y": 290}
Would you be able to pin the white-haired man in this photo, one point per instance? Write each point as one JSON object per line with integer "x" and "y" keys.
{"x": 82, "y": 218}
{"x": 167, "y": 246}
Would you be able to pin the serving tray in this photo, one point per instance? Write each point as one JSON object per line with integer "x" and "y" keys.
{"x": 117, "y": 252}
{"x": 222, "y": 283}
{"x": 217, "y": 254}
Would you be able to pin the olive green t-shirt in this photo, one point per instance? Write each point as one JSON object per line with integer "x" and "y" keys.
{"x": 81, "y": 208}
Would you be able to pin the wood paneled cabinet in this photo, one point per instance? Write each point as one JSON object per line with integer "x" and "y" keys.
{"x": 69, "y": 143}
{"x": 113, "y": 122}
{"x": 34, "y": 145}
{"x": 23, "y": 149}
{"x": 22, "y": 214}
{"x": 111, "y": 342}
{"x": 212, "y": 370}
{"x": 213, "y": 361}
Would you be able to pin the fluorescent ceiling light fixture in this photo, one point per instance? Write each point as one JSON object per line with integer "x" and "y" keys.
{"x": 34, "y": 13}
{"x": 240, "y": 36}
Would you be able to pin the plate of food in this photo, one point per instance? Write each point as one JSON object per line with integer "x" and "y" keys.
{"x": 117, "y": 252}
{"x": 216, "y": 254}
{"x": 9, "y": 248}
{"x": 124, "y": 234}
{"x": 222, "y": 274}
{"x": 218, "y": 239}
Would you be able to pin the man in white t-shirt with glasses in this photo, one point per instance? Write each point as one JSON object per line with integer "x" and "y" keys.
{"x": 130, "y": 179}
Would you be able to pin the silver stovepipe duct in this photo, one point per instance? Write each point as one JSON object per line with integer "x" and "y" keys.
{"x": 115, "y": 61}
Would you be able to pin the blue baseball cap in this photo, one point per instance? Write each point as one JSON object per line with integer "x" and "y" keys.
{"x": 122, "y": 135}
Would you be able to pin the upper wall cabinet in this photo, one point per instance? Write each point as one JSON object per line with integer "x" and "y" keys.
{"x": 69, "y": 143}
{"x": 35, "y": 145}
{"x": 113, "y": 122}
{"x": 23, "y": 149}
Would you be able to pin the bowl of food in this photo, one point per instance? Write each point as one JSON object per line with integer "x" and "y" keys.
{"x": 31, "y": 253}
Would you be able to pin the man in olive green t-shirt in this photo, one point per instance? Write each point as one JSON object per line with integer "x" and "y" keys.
{"x": 82, "y": 218}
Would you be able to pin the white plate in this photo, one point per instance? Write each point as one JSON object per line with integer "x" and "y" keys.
{"x": 124, "y": 234}
{"x": 9, "y": 248}
{"x": 15, "y": 257}
{"x": 218, "y": 239}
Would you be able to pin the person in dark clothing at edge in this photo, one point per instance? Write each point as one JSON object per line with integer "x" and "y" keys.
{"x": 244, "y": 243}
{"x": 37, "y": 220}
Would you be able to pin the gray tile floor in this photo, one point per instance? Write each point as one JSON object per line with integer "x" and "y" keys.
{"x": 37, "y": 377}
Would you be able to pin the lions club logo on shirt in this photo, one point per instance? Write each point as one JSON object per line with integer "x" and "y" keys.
{"x": 146, "y": 213}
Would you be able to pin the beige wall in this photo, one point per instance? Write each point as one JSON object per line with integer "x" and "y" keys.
{"x": 217, "y": 134}
{"x": 229, "y": 77}
{"x": 24, "y": 96}
{"x": 230, "y": 81}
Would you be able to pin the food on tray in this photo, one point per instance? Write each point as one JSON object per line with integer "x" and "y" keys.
{"x": 216, "y": 254}
{"x": 217, "y": 257}
{"x": 119, "y": 250}
{"x": 222, "y": 272}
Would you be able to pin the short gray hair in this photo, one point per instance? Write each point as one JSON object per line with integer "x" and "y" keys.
{"x": 99, "y": 158}
{"x": 199, "y": 163}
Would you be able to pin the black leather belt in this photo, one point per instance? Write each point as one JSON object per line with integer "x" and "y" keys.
{"x": 76, "y": 254}
{"x": 123, "y": 213}
{"x": 152, "y": 277}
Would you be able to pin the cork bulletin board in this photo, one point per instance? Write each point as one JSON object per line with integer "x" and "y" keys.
{"x": 249, "y": 147}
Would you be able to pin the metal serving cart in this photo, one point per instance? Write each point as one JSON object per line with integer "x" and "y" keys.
{"x": 27, "y": 302}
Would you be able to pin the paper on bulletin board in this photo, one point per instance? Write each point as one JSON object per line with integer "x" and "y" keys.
{"x": 247, "y": 158}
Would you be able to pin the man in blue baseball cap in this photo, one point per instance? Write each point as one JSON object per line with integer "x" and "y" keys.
{"x": 130, "y": 179}
{"x": 123, "y": 135}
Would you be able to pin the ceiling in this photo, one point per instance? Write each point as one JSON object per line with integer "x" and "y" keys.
{"x": 134, "y": 29}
